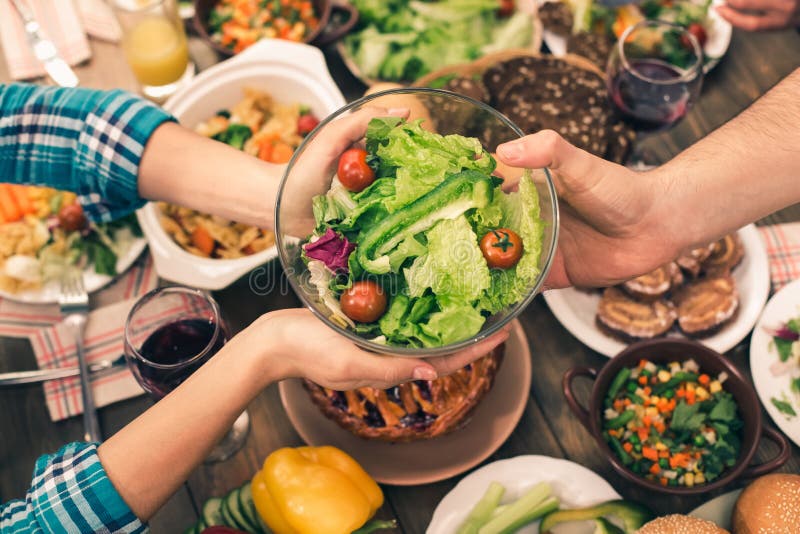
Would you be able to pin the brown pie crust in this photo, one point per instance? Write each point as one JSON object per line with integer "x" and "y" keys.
{"x": 414, "y": 410}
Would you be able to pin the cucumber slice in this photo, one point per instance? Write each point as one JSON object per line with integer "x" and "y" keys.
{"x": 201, "y": 526}
{"x": 235, "y": 510}
{"x": 247, "y": 507}
{"x": 227, "y": 518}
{"x": 211, "y": 512}
{"x": 192, "y": 530}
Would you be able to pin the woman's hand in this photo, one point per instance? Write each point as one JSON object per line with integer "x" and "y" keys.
{"x": 608, "y": 231}
{"x": 294, "y": 343}
{"x": 755, "y": 15}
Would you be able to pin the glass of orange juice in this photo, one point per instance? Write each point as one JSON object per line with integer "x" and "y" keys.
{"x": 155, "y": 45}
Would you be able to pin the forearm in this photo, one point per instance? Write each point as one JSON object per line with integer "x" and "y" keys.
{"x": 184, "y": 168}
{"x": 745, "y": 170}
{"x": 81, "y": 140}
{"x": 151, "y": 457}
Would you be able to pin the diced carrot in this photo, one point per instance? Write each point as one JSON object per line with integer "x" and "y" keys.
{"x": 8, "y": 206}
{"x": 265, "y": 151}
{"x": 642, "y": 433}
{"x": 618, "y": 405}
{"x": 628, "y": 446}
{"x": 281, "y": 153}
{"x": 704, "y": 379}
{"x": 20, "y": 193}
{"x": 655, "y": 469}
{"x": 681, "y": 393}
{"x": 647, "y": 421}
{"x": 626, "y": 402}
{"x": 203, "y": 240}
{"x": 647, "y": 390}
{"x": 660, "y": 427}
{"x": 663, "y": 454}
{"x": 650, "y": 453}
{"x": 690, "y": 396}
{"x": 643, "y": 380}
{"x": 642, "y": 363}
{"x": 663, "y": 481}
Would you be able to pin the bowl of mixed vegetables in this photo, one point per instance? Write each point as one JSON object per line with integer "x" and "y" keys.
{"x": 231, "y": 26}
{"x": 403, "y": 235}
{"x": 675, "y": 416}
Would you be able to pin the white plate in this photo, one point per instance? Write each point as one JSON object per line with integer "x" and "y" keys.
{"x": 574, "y": 485}
{"x": 289, "y": 72}
{"x": 48, "y": 293}
{"x": 576, "y": 310}
{"x": 718, "y": 510}
{"x": 717, "y": 29}
{"x": 426, "y": 461}
{"x": 784, "y": 305}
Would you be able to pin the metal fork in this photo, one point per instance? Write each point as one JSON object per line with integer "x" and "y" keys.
{"x": 74, "y": 302}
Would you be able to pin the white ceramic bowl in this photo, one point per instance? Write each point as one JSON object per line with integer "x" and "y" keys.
{"x": 290, "y": 72}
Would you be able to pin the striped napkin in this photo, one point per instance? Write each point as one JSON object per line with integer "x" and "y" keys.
{"x": 65, "y": 22}
{"x": 783, "y": 248}
{"x": 53, "y": 346}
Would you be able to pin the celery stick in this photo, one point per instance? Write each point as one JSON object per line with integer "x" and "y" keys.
{"x": 376, "y": 524}
{"x": 534, "y": 503}
{"x": 481, "y": 513}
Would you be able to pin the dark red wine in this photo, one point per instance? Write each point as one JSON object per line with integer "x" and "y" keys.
{"x": 173, "y": 344}
{"x": 647, "y": 105}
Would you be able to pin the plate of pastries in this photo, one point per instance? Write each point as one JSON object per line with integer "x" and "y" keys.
{"x": 421, "y": 431}
{"x": 713, "y": 293}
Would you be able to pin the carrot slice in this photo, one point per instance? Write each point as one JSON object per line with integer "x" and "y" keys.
{"x": 203, "y": 240}
{"x": 281, "y": 153}
{"x": 20, "y": 193}
{"x": 8, "y": 206}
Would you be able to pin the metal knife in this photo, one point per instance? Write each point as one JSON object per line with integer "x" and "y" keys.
{"x": 44, "y": 49}
{"x": 42, "y": 375}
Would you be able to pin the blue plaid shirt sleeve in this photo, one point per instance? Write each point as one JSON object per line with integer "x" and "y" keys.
{"x": 81, "y": 140}
{"x": 70, "y": 492}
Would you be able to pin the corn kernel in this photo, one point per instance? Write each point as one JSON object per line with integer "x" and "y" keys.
{"x": 699, "y": 478}
{"x": 701, "y": 393}
{"x": 664, "y": 376}
{"x": 652, "y": 411}
{"x": 660, "y": 446}
{"x": 715, "y": 386}
{"x": 688, "y": 480}
{"x": 689, "y": 386}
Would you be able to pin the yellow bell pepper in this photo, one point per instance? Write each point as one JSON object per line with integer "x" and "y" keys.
{"x": 314, "y": 490}
{"x": 627, "y": 16}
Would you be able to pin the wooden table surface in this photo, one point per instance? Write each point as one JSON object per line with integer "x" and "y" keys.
{"x": 752, "y": 65}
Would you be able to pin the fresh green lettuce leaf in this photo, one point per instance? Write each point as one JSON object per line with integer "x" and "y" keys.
{"x": 454, "y": 265}
{"x": 456, "y": 321}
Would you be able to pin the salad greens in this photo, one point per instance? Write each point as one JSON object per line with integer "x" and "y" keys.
{"x": 786, "y": 340}
{"x": 416, "y": 231}
{"x": 405, "y": 39}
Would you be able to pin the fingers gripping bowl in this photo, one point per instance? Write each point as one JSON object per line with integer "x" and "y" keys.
{"x": 412, "y": 231}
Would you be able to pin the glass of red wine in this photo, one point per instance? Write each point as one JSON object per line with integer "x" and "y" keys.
{"x": 170, "y": 332}
{"x": 654, "y": 75}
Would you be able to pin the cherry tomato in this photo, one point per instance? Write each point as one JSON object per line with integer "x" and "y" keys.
{"x": 71, "y": 217}
{"x": 696, "y": 29}
{"x": 353, "y": 171}
{"x": 506, "y": 8}
{"x": 502, "y": 248}
{"x": 306, "y": 123}
{"x": 364, "y": 301}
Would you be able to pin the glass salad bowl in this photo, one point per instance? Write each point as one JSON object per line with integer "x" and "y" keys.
{"x": 383, "y": 243}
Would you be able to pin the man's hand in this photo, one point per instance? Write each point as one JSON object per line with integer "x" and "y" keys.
{"x": 607, "y": 231}
{"x": 755, "y": 15}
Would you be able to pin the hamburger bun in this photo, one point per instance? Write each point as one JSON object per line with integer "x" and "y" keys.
{"x": 769, "y": 505}
{"x": 680, "y": 524}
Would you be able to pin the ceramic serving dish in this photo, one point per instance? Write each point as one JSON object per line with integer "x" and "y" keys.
{"x": 290, "y": 72}
{"x": 710, "y": 362}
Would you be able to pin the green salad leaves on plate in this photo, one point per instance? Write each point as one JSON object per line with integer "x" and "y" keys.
{"x": 415, "y": 233}
{"x": 405, "y": 39}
